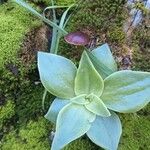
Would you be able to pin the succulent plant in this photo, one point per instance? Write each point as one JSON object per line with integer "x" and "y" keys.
{"x": 88, "y": 97}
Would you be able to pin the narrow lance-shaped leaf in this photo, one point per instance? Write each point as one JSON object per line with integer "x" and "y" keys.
{"x": 88, "y": 80}
{"x": 103, "y": 60}
{"x": 55, "y": 108}
{"x": 61, "y": 25}
{"x": 127, "y": 91}
{"x": 54, "y": 32}
{"x": 53, "y": 7}
{"x": 33, "y": 11}
{"x": 106, "y": 131}
{"x": 57, "y": 74}
{"x": 73, "y": 121}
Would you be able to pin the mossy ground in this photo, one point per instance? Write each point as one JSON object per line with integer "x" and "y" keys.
{"x": 20, "y": 98}
{"x": 22, "y": 125}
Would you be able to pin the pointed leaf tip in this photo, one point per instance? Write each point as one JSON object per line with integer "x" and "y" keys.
{"x": 55, "y": 108}
{"x": 127, "y": 91}
{"x": 88, "y": 80}
{"x": 73, "y": 121}
{"x": 57, "y": 74}
{"x": 103, "y": 60}
{"x": 106, "y": 131}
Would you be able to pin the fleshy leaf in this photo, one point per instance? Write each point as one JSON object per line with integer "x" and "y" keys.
{"x": 55, "y": 108}
{"x": 127, "y": 91}
{"x": 80, "y": 99}
{"x": 57, "y": 74}
{"x": 103, "y": 60}
{"x": 88, "y": 80}
{"x": 106, "y": 131}
{"x": 97, "y": 106}
{"x": 73, "y": 121}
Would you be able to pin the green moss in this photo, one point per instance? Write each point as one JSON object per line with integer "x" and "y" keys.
{"x": 136, "y": 131}
{"x": 65, "y": 2}
{"x": 15, "y": 22}
{"x": 141, "y": 52}
{"x": 82, "y": 144}
{"x": 29, "y": 103}
{"x": 116, "y": 35}
{"x": 32, "y": 136}
{"x": 141, "y": 60}
{"x": 139, "y": 5}
{"x": 15, "y": 82}
{"x": 45, "y": 2}
{"x": 97, "y": 15}
{"x": 7, "y": 111}
{"x": 56, "y": 2}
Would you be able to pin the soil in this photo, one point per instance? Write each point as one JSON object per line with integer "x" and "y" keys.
{"x": 36, "y": 40}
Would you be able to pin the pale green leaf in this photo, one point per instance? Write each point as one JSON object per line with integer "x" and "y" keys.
{"x": 106, "y": 131}
{"x": 127, "y": 91}
{"x": 64, "y": 16}
{"x": 52, "y": 7}
{"x": 73, "y": 121}
{"x": 62, "y": 26}
{"x": 88, "y": 80}
{"x": 57, "y": 74}
{"x": 81, "y": 99}
{"x": 103, "y": 60}
{"x": 97, "y": 106}
{"x": 55, "y": 108}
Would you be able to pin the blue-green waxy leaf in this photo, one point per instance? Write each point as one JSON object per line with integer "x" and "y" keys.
{"x": 55, "y": 108}
{"x": 57, "y": 74}
{"x": 106, "y": 131}
{"x": 73, "y": 121}
{"x": 103, "y": 60}
{"x": 88, "y": 80}
{"x": 127, "y": 91}
{"x": 97, "y": 106}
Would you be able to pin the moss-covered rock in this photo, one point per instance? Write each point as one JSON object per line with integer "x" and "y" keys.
{"x": 15, "y": 80}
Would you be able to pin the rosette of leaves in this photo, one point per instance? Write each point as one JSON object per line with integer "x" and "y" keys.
{"x": 88, "y": 97}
